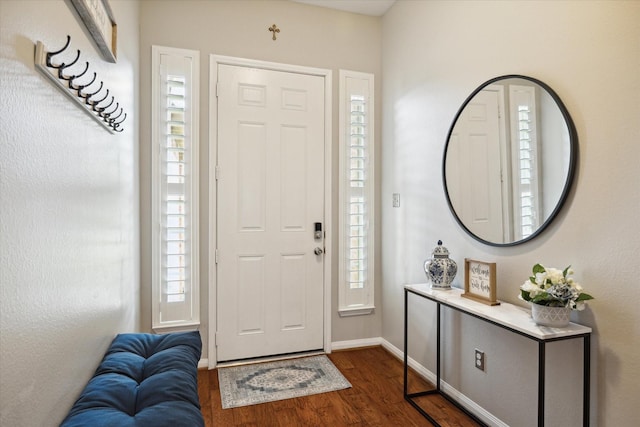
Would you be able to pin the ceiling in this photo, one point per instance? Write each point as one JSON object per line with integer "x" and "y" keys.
{"x": 365, "y": 7}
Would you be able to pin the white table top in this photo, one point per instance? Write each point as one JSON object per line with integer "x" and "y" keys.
{"x": 505, "y": 314}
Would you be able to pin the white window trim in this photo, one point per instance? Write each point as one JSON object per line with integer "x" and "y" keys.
{"x": 362, "y": 302}
{"x": 192, "y": 288}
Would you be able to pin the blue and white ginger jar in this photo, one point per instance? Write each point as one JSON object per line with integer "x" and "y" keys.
{"x": 440, "y": 269}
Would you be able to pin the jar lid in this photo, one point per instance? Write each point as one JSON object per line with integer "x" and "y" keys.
{"x": 440, "y": 251}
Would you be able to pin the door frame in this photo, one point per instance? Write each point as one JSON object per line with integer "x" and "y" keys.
{"x": 214, "y": 61}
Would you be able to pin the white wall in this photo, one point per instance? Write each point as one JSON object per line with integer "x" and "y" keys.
{"x": 69, "y": 233}
{"x": 310, "y": 36}
{"x": 435, "y": 53}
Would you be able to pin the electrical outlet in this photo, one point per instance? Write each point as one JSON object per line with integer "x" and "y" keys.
{"x": 479, "y": 359}
{"x": 396, "y": 200}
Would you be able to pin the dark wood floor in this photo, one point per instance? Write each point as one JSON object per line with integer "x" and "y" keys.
{"x": 376, "y": 399}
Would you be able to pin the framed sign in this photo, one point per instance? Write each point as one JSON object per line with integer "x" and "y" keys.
{"x": 97, "y": 16}
{"x": 480, "y": 281}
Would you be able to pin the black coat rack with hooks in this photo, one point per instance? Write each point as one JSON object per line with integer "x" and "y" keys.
{"x": 89, "y": 94}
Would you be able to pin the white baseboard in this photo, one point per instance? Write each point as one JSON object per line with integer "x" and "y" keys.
{"x": 365, "y": 342}
{"x": 203, "y": 364}
{"x": 480, "y": 412}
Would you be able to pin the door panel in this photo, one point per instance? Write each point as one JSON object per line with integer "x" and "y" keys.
{"x": 251, "y": 157}
{"x": 270, "y": 193}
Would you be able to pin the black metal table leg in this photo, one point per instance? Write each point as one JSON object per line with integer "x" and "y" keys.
{"x": 541, "y": 367}
{"x": 438, "y": 350}
{"x": 586, "y": 376}
{"x": 406, "y": 346}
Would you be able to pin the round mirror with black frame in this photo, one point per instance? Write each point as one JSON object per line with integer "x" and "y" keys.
{"x": 509, "y": 160}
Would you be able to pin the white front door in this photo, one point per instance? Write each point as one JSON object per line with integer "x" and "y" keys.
{"x": 270, "y": 194}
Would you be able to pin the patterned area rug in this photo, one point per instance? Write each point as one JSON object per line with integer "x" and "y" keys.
{"x": 285, "y": 379}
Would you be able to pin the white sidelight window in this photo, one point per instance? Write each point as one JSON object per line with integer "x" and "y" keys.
{"x": 356, "y": 232}
{"x": 175, "y": 103}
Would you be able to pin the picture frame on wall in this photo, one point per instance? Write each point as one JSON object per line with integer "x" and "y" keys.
{"x": 480, "y": 281}
{"x": 97, "y": 17}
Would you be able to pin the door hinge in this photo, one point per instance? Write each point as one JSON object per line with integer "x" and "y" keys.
{"x": 215, "y": 339}
{"x": 217, "y": 256}
{"x": 217, "y": 172}
{"x": 217, "y": 89}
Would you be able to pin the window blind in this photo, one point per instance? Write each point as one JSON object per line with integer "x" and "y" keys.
{"x": 356, "y": 193}
{"x": 175, "y": 286}
{"x": 527, "y": 200}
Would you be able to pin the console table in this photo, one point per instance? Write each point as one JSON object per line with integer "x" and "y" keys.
{"x": 507, "y": 316}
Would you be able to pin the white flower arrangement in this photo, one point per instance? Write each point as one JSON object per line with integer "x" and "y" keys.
{"x": 553, "y": 288}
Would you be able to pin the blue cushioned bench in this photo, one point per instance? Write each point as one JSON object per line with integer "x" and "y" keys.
{"x": 144, "y": 380}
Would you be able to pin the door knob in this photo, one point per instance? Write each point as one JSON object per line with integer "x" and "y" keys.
{"x": 318, "y": 251}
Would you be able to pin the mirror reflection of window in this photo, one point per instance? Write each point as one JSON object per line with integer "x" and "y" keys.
{"x": 524, "y": 138}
